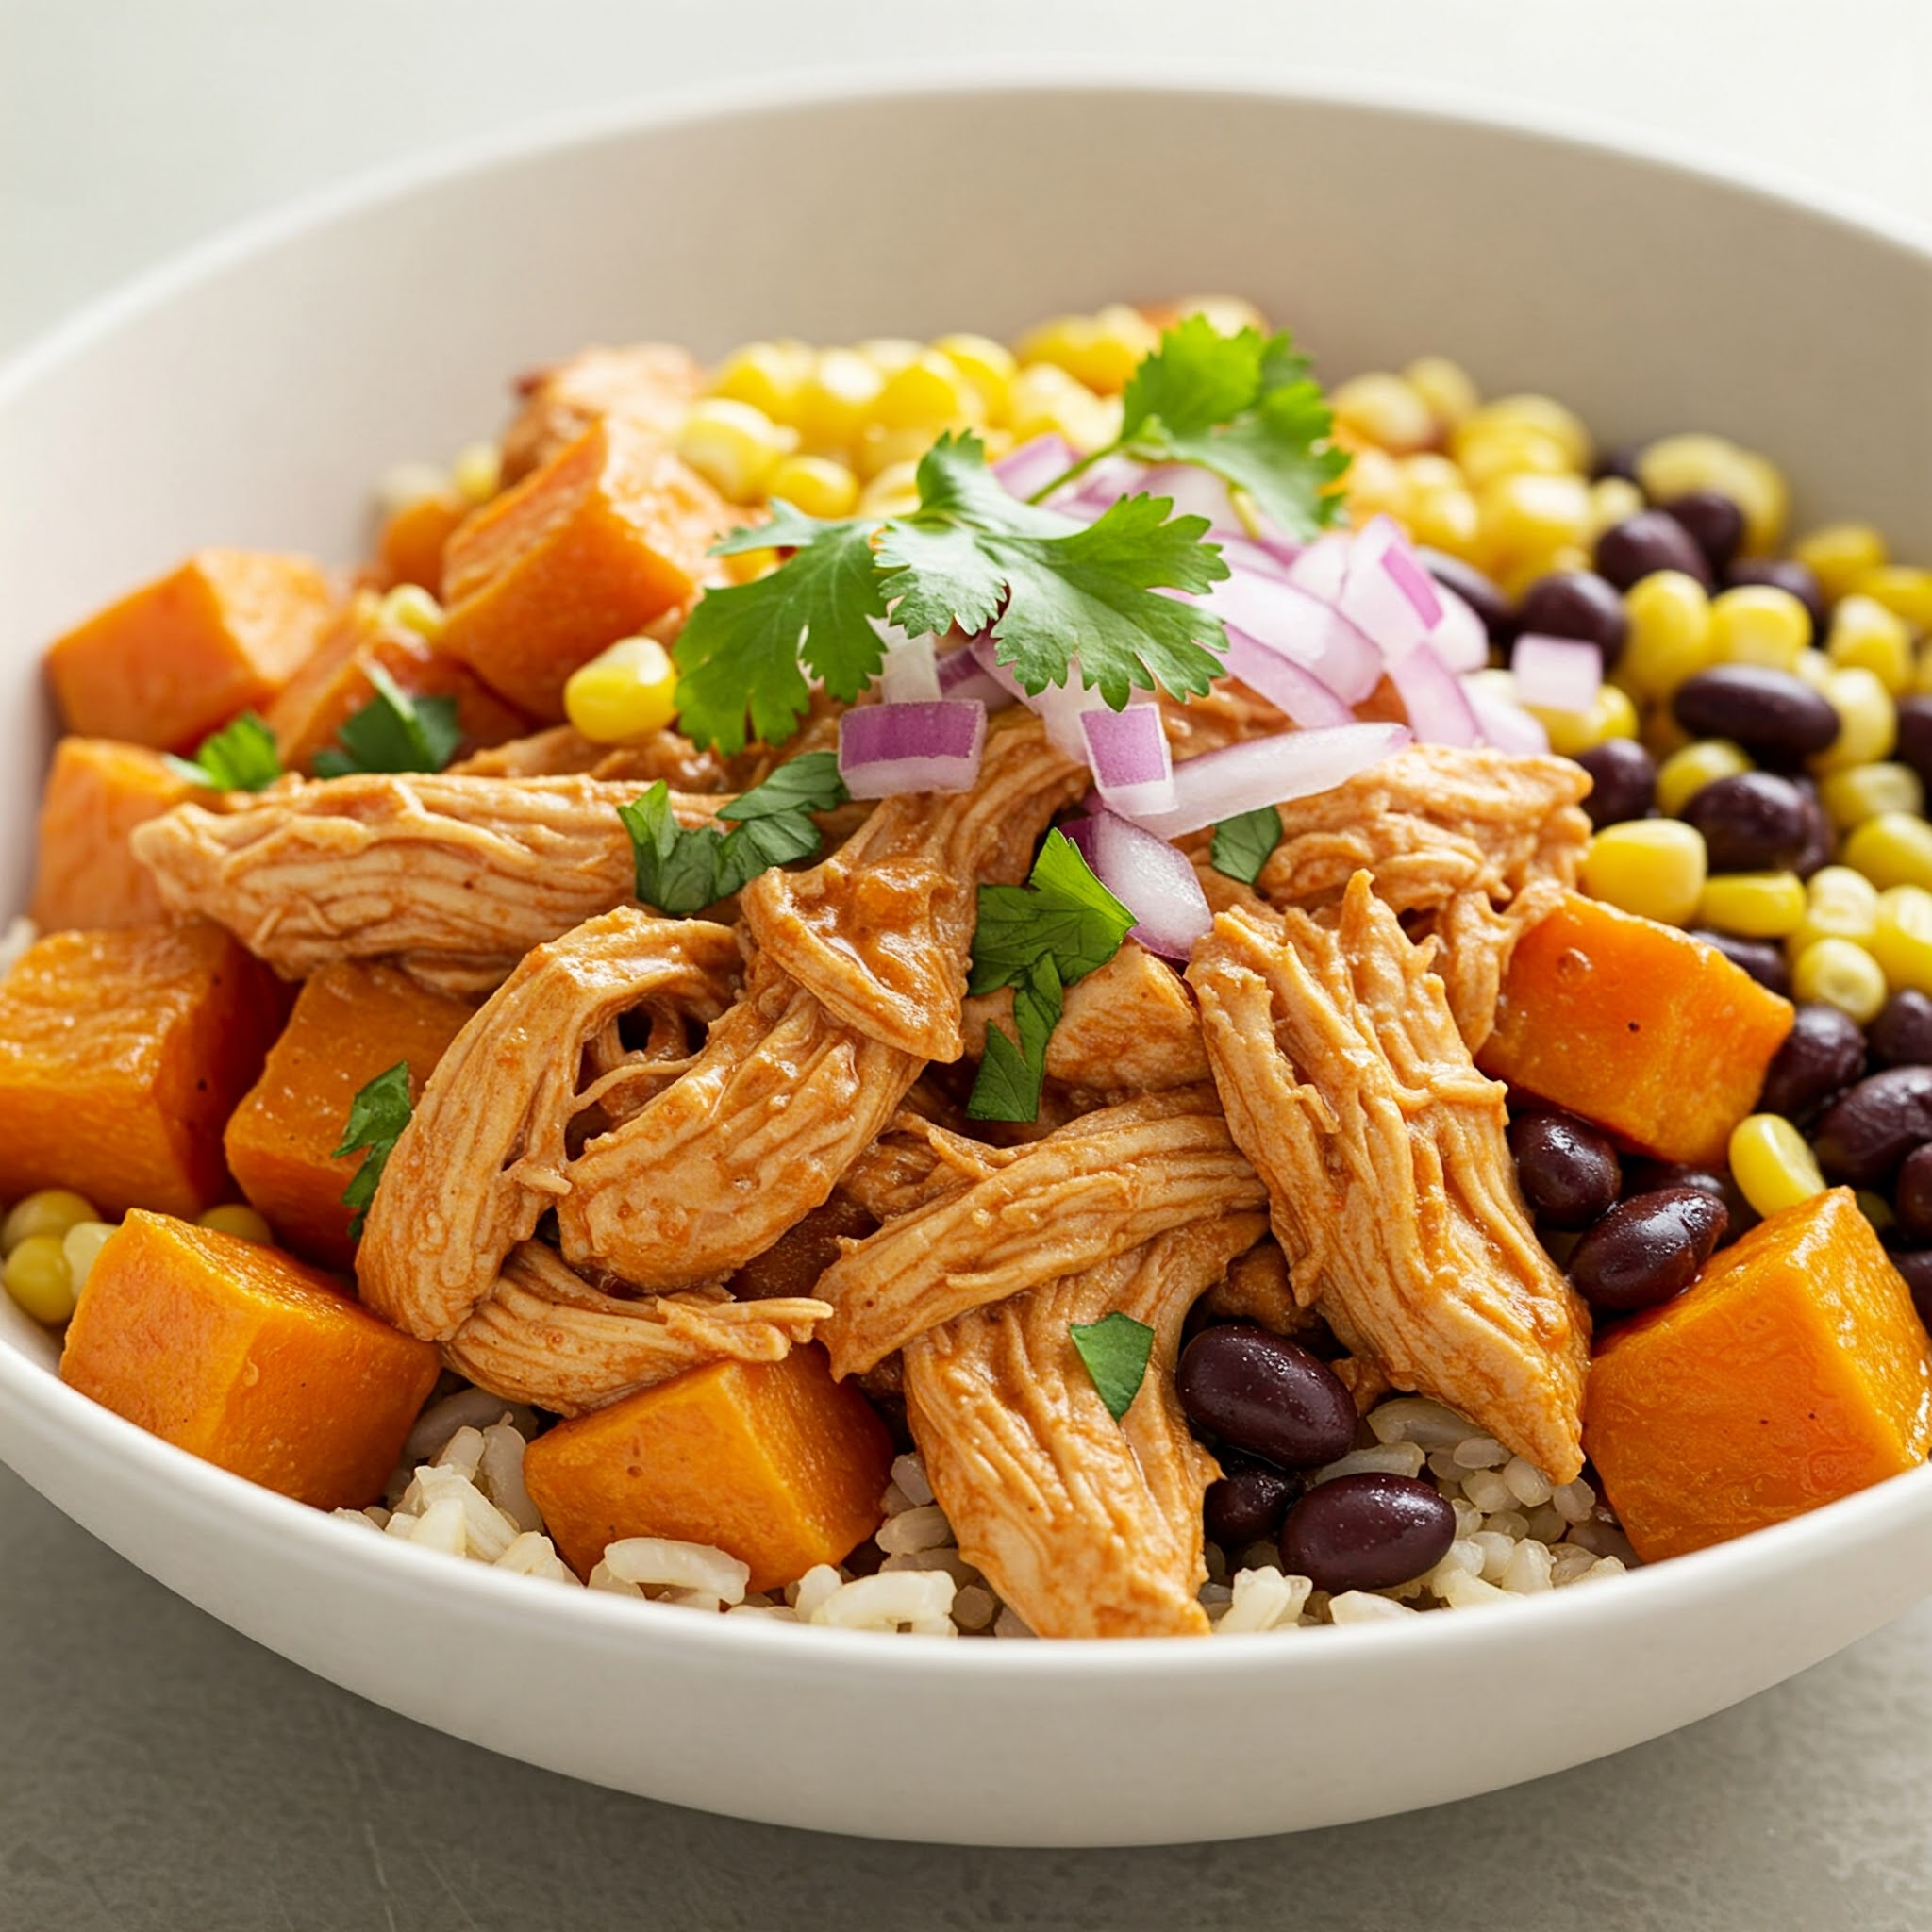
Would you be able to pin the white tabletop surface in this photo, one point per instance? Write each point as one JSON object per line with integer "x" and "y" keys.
{"x": 159, "y": 1773}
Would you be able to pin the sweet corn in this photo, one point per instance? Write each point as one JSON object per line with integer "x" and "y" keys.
{"x": 1375, "y": 484}
{"x": 734, "y": 446}
{"x": 987, "y": 365}
{"x": 1759, "y": 624}
{"x": 409, "y": 607}
{"x": 1046, "y": 400}
{"x": 1546, "y": 417}
{"x": 817, "y": 484}
{"x": 743, "y": 566}
{"x": 1447, "y": 387}
{"x": 1528, "y": 515}
{"x": 1863, "y": 791}
{"x": 1386, "y": 410}
{"x": 39, "y": 1280}
{"x": 1485, "y": 451}
{"x": 1901, "y": 589}
{"x": 836, "y": 399}
{"x": 1772, "y": 1165}
{"x": 1662, "y": 733}
{"x": 929, "y": 393}
{"x": 46, "y": 1211}
{"x": 1840, "y": 903}
{"x": 1902, "y": 943}
{"x": 888, "y": 353}
{"x": 1611, "y": 715}
{"x": 891, "y": 493}
{"x": 769, "y": 376}
{"x": 1514, "y": 579}
{"x": 1867, "y": 718}
{"x": 407, "y": 484}
{"x": 1226, "y": 315}
{"x": 1612, "y": 500}
{"x": 1840, "y": 555}
{"x": 1443, "y": 516}
{"x": 1653, "y": 867}
{"x": 879, "y": 448}
{"x": 477, "y": 472}
{"x": 1099, "y": 351}
{"x": 237, "y": 1218}
{"x": 1893, "y": 849}
{"x": 624, "y": 693}
{"x": 1670, "y": 633}
{"x": 1840, "y": 974}
{"x": 1753, "y": 904}
{"x": 1866, "y": 636}
{"x": 1813, "y": 668}
{"x": 1686, "y": 773}
{"x": 1675, "y": 465}
{"x": 82, "y": 1244}
{"x": 1429, "y": 469}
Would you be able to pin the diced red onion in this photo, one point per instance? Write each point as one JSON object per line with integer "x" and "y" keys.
{"x": 1267, "y": 558}
{"x": 1505, "y": 723}
{"x": 1557, "y": 673}
{"x": 1133, "y": 769}
{"x": 887, "y": 749}
{"x": 1059, "y": 707}
{"x": 1461, "y": 640}
{"x": 909, "y": 673}
{"x": 1438, "y": 706}
{"x": 986, "y": 654}
{"x": 962, "y": 676}
{"x": 1414, "y": 582}
{"x": 1321, "y": 566}
{"x": 1153, "y": 881}
{"x": 1268, "y": 771}
{"x": 1194, "y": 493}
{"x": 1375, "y": 601}
{"x": 1291, "y": 620}
{"x": 1029, "y": 469}
{"x": 1092, "y": 496}
{"x": 1283, "y": 682}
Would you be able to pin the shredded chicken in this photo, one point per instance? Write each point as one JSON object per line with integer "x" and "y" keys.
{"x": 1390, "y": 1181}
{"x": 562, "y": 751}
{"x": 650, "y": 384}
{"x": 1088, "y": 1526}
{"x": 1108, "y": 1182}
{"x": 915, "y": 1163}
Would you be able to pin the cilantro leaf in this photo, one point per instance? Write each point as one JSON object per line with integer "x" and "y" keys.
{"x": 1115, "y": 1349}
{"x": 1009, "y": 1078}
{"x": 1244, "y": 843}
{"x": 377, "y": 1116}
{"x": 810, "y": 782}
{"x": 393, "y": 732}
{"x": 676, "y": 870}
{"x": 241, "y": 756}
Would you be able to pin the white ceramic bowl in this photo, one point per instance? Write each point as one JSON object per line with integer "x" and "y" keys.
{"x": 249, "y": 396}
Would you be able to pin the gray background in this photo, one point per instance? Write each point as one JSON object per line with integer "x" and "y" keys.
{"x": 158, "y": 1771}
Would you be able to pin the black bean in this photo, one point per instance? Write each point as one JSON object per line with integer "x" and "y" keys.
{"x": 1650, "y": 541}
{"x": 1902, "y": 1034}
{"x": 1751, "y": 822}
{"x": 1367, "y": 1532}
{"x": 1915, "y": 735}
{"x": 1623, "y": 781}
{"x": 1265, "y": 1394}
{"x": 1864, "y": 1134}
{"x": 1821, "y": 843}
{"x": 1915, "y": 1264}
{"x": 1576, "y": 604}
{"x": 1479, "y": 592}
{"x": 1768, "y": 712}
{"x": 1821, "y": 1055}
{"x": 1762, "y": 960}
{"x": 1644, "y": 1176}
{"x": 1621, "y": 462}
{"x": 1785, "y": 574}
{"x": 1714, "y": 521}
{"x": 1911, "y": 1196}
{"x": 1248, "y": 1502}
{"x": 1568, "y": 1169}
{"x": 1648, "y": 1248}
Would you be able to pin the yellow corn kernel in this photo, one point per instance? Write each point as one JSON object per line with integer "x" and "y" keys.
{"x": 1753, "y": 904}
{"x": 82, "y": 1244}
{"x": 1226, "y": 315}
{"x": 623, "y": 693}
{"x": 1386, "y": 410}
{"x": 1485, "y": 451}
{"x": 743, "y": 566}
{"x": 409, "y": 607}
{"x": 1760, "y": 489}
{"x": 733, "y": 446}
{"x": 1813, "y": 668}
{"x": 1772, "y": 1163}
{"x": 769, "y": 376}
{"x": 1653, "y": 867}
{"x": 1670, "y": 637}
{"x": 892, "y": 492}
{"x": 987, "y": 365}
{"x": 1684, "y": 773}
{"x": 46, "y": 1211}
{"x": 239, "y": 1218}
{"x": 477, "y": 472}
{"x": 929, "y": 393}
{"x": 1428, "y": 469}
{"x": 816, "y": 485}
{"x": 1675, "y": 465}
{"x": 1901, "y": 589}
{"x": 879, "y": 448}
{"x": 1444, "y": 519}
{"x": 1662, "y": 734}
{"x": 1867, "y": 721}
{"x": 1893, "y": 849}
{"x": 1759, "y": 624}
{"x": 1840, "y": 555}
{"x": 37, "y": 1278}
{"x": 1863, "y": 791}
{"x": 1902, "y": 941}
{"x": 1375, "y": 486}
{"x": 1840, "y": 903}
{"x": 1528, "y": 515}
{"x": 1866, "y": 636}
{"x": 889, "y": 353}
{"x": 1447, "y": 387}
{"x": 836, "y": 399}
{"x": 1573, "y": 733}
{"x": 1612, "y": 500}
{"x": 404, "y": 485}
{"x": 1546, "y": 417}
{"x": 1046, "y": 400}
{"x": 1514, "y": 579}
{"x": 1840, "y": 974}
{"x": 1099, "y": 351}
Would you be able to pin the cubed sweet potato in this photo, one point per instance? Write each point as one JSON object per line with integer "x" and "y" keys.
{"x": 1636, "y": 1026}
{"x": 409, "y": 551}
{"x": 352, "y": 1022}
{"x": 607, "y": 535}
{"x": 334, "y": 685}
{"x": 178, "y": 657}
{"x": 651, "y": 385}
{"x": 775, "y": 1462}
{"x": 122, "y": 1054}
{"x": 239, "y": 1354}
{"x": 97, "y": 792}
{"x": 1793, "y": 1371}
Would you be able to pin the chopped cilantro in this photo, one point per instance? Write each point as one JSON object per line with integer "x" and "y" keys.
{"x": 393, "y": 732}
{"x": 1115, "y": 1349}
{"x": 1244, "y": 844}
{"x": 241, "y": 756}
{"x": 377, "y": 1116}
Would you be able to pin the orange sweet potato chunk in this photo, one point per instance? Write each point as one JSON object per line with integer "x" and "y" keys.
{"x": 239, "y": 1355}
{"x": 606, "y": 536}
{"x": 409, "y": 551}
{"x": 334, "y": 685}
{"x": 96, "y": 793}
{"x": 122, "y": 1054}
{"x": 775, "y": 1462}
{"x": 350, "y": 1022}
{"x": 1636, "y": 1027}
{"x": 180, "y": 656}
{"x": 1793, "y": 1371}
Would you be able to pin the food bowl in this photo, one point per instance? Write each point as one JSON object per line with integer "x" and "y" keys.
{"x": 249, "y": 396}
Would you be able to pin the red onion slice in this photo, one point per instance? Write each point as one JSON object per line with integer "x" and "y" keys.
{"x": 1194, "y": 493}
{"x": 1300, "y": 625}
{"x": 1414, "y": 582}
{"x": 1557, "y": 673}
{"x": 1461, "y": 640}
{"x": 909, "y": 675}
{"x": 887, "y": 749}
{"x": 1506, "y": 725}
{"x": 1132, "y": 766}
{"x": 1270, "y": 770}
{"x": 1374, "y": 600}
{"x": 1059, "y": 707}
{"x": 1284, "y": 683}
{"x": 1153, "y": 881}
{"x": 1438, "y": 706}
{"x": 1026, "y": 471}
{"x": 963, "y": 678}
{"x": 1321, "y": 568}
{"x": 1265, "y": 558}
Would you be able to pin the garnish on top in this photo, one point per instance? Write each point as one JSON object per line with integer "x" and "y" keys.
{"x": 377, "y": 1116}
{"x": 241, "y": 756}
{"x": 393, "y": 732}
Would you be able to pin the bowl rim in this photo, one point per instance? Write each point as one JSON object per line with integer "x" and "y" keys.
{"x": 203, "y": 1491}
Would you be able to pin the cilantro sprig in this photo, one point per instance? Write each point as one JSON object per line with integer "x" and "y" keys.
{"x": 1039, "y": 938}
{"x": 1116, "y": 1349}
{"x": 1243, "y": 845}
{"x": 393, "y": 732}
{"x": 241, "y": 756}
{"x": 682, "y": 871}
{"x": 377, "y": 1116}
